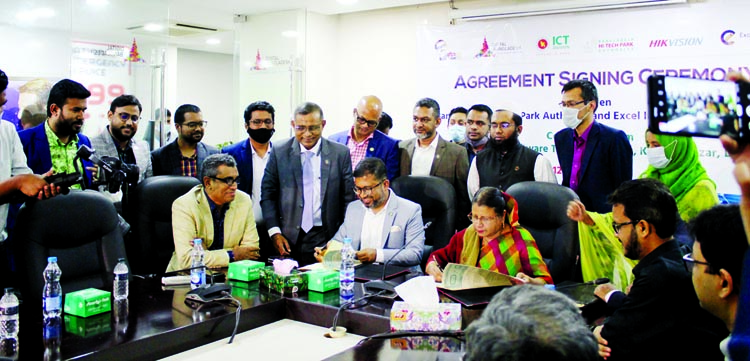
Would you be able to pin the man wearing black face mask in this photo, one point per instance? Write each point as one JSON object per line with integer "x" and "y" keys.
{"x": 506, "y": 161}
{"x": 251, "y": 156}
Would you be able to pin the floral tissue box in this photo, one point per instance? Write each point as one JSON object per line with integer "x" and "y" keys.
{"x": 441, "y": 317}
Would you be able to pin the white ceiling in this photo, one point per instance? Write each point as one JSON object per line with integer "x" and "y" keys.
{"x": 110, "y": 19}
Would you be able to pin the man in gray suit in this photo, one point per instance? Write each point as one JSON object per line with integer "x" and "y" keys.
{"x": 185, "y": 155}
{"x": 430, "y": 155}
{"x": 117, "y": 140}
{"x": 381, "y": 222}
{"x": 306, "y": 187}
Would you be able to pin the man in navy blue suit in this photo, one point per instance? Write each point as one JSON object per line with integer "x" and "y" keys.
{"x": 54, "y": 143}
{"x": 595, "y": 159}
{"x": 364, "y": 140}
{"x": 252, "y": 155}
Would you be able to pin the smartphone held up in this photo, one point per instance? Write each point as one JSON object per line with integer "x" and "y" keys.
{"x": 698, "y": 107}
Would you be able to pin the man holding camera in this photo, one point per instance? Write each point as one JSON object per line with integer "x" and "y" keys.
{"x": 117, "y": 141}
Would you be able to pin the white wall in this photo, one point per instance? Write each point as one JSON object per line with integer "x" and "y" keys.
{"x": 206, "y": 80}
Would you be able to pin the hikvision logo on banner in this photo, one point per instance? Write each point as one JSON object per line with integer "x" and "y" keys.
{"x": 554, "y": 42}
{"x": 676, "y": 42}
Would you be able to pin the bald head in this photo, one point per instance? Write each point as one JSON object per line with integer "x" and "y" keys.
{"x": 366, "y": 116}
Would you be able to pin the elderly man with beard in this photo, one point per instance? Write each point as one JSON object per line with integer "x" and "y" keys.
{"x": 54, "y": 143}
{"x": 185, "y": 155}
{"x": 117, "y": 141}
{"x": 506, "y": 161}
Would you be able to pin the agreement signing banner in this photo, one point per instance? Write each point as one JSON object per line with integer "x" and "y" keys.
{"x": 521, "y": 64}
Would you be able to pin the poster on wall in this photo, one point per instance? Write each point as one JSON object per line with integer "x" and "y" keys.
{"x": 102, "y": 68}
{"x": 521, "y": 64}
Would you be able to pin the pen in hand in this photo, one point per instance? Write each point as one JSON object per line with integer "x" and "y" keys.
{"x": 436, "y": 263}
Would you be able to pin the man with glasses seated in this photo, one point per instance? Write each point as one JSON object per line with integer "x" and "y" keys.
{"x": 660, "y": 318}
{"x": 507, "y": 161}
{"x": 595, "y": 159}
{"x": 380, "y": 222}
{"x": 117, "y": 140}
{"x": 365, "y": 141}
{"x": 219, "y": 214}
{"x": 185, "y": 155}
{"x": 306, "y": 187}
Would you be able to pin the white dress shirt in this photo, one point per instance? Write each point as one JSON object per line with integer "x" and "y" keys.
{"x": 12, "y": 162}
{"x": 372, "y": 230}
{"x": 259, "y": 167}
{"x": 421, "y": 162}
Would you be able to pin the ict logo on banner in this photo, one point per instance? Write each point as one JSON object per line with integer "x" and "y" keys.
{"x": 556, "y": 42}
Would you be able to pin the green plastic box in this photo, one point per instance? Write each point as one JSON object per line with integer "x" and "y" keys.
{"x": 322, "y": 280}
{"x": 88, "y": 302}
{"x": 88, "y": 326}
{"x": 246, "y": 270}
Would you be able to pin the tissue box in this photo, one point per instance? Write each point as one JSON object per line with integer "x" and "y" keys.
{"x": 293, "y": 283}
{"x": 246, "y": 270}
{"x": 322, "y": 280}
{"x": 88, "y": 302}
{"x": 441, "y": 317}
{"x": 324, "y": 298}
{"x": 88, "y": 326}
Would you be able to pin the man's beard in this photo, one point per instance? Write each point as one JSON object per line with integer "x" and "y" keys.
{"x": 506, "y": 144}
{"x": 117, "y": 133}
{"x": 632, "y": 248}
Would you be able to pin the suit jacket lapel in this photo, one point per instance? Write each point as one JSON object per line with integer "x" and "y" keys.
{"x": 439, "y": 155}
{"x": 406, "y": 161}
{"x": 390, "y": 217}
{"x": 296, "y": 165}
{"x": 246, "y": 161}
{"x": 175, "y": 157}
{"x": 591, "y": 143}
{"x": 325, "y": 168}
{"x": 42, "y": 148}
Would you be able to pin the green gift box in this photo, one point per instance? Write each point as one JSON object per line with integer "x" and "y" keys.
{"x": 322, "y": 280}
{"x": 88, "y": 302}
{"x": 246, "y": 270}
{"x": 88, "y": 326}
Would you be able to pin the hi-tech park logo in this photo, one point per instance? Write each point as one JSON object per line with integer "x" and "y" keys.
{"x": 557, "y": 42}
{"x": 727, "y": 37}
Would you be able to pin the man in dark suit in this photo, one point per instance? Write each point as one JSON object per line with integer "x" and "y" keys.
{"x": 54, "y": 143}
{"x": 365, "y": 141}
{"x": 306, "y": 187}
{"x": 252, "y": 155}
{"x": 595, "y": 159}
{"x": 660, "y": 318}
{"x": 430, "y": 155}
{"x": 185, "y": 155}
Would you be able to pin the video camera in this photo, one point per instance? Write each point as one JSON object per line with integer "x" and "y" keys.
{"x": 116, "y": 173}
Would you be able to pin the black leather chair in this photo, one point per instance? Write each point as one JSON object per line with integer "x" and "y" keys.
{"x": 542, "y": 211}
{"x": 81, "y": 229}
{"x": 150, "y": 244}
{"x": 438, "y": 200}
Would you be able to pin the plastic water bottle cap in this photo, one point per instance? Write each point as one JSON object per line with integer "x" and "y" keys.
{"x": 121, "y": 260}
{"x": 51, "y": 259}
{"x": 9, "y": 290}
{"x": 347, "y": 240}
{"x": 197, "y": 241}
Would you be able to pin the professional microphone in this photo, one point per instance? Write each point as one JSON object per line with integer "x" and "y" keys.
{"x": 382, "y": 285}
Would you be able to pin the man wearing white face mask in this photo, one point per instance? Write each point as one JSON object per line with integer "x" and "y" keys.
{"x": 595, "y": 159}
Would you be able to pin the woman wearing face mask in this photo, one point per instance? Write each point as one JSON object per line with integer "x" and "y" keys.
{"x": 672, "y": 160}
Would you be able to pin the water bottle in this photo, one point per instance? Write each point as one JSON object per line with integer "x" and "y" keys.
{"x": 346, "y": 272}
{"x": 9, "y": 315}
{"x": 120, "y": 287}
{"x": 198, "y": 273}
{"x": 52, "y": 293}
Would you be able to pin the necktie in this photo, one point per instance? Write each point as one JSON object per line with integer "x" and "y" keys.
{"x": 307, "y": 192}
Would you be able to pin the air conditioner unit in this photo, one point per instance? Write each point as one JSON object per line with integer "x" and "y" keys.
{"x": 484, "y": 10}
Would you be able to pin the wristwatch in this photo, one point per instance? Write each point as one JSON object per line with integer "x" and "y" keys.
{"x": 231, "y": 255}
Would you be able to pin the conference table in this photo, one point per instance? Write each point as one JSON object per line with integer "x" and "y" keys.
{"x": 155, "y": 323}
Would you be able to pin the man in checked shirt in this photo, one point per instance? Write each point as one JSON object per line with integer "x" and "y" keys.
{"x": 364, "y": 140}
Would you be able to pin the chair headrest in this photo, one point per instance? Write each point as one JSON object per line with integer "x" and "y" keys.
{"x": 155, "y": 195}
{"x": 434, "y": 194}
{"x": 542, "y": 205}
